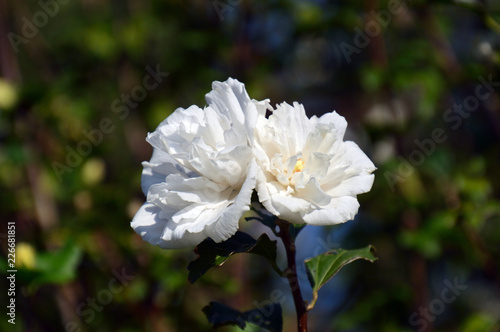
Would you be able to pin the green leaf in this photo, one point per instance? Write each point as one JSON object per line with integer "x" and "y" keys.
{"x": 263, "y": 215}
{"x": 58, "y": 266}
{"x": 322, "y": 268}
{"x": 212, "y": 254}
{"x": 220, "y": 315}
{"x": 269, "y": 221}
{"x": 52, "y": 267}
{"x": 268, "y": 317}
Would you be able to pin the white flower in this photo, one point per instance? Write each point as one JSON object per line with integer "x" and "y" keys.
{"x": 200, "y": 179}
{"x": 308, "y": 174}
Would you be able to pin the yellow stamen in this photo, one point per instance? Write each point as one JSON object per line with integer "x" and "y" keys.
{"x": 299, "y": 166}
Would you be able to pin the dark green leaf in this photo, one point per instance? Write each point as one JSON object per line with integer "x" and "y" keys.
{"x": 56, "y": 267}
{"x": 322, "y": 268}
{"x": 59, "y": 266}
{"x": 267, "y": 317}
{"x": 263, "y": 216}
{"x": 271, "y": 321}
{"x": 221, "y": 315}
{"x": 212, "y": 254}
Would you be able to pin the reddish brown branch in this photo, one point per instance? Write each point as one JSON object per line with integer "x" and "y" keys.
{"x": 291, "y": 275}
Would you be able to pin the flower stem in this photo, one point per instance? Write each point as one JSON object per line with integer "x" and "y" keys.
{"x": 291, "y": 274}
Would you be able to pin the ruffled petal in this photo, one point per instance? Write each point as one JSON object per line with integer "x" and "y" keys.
{"x": 340, "y": 210}
{"x": 231, "y": 98}
{"x": 313, "y": 193}
{"x": 157, "y": 169}
{"x": 290, "y": 208}
{"x": 356, "y": 176}
{"x": 227, "y": 224}
{"x": 264, "y": 193}
{"x": 308, "y": 173}
{"x": 338, "y": 122}
{"x": 159, "y": 231}
{"x": 200, "y": 179}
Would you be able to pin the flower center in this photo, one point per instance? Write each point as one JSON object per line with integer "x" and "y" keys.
{"x": 299, "y": 166}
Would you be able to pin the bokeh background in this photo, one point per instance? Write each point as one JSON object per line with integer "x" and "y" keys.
{"x": 403, "y": 73}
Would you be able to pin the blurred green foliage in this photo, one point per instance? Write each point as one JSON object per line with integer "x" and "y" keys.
{"x": 441, "y": 221}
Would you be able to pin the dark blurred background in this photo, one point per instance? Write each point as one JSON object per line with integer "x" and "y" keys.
{"x": 83, "y": 81}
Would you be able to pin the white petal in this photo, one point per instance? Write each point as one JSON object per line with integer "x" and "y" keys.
{"x": 339, "y": 210}
{"x": 290, "y": 208}
{"x": 227, "y": 224}
{"x": 333, "y": 172}
{"x": 157, "y": 169}
{"x": 255, "y": 111}
{"x": 313, "y": 193}
{"x": 317, "y": 165}
{"x": 201, "y": 176}
{"x": 217, "y": 124}
{"x": 338, "y": 121}
{"x": 177, "y": 219}
{"x": 291, "y": 125}
{"x": 229, "y": 97}
{"x": 355, "y": 178}
{"x": 262, "y": 188}
{"x": 322, "y": 138}
{"x": 353, "y": 186}
{"x": 159, "y": 231}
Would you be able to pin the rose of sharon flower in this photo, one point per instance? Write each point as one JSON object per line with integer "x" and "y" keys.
{"x": 200, "y": 179}
{"x": 308, "y": 174}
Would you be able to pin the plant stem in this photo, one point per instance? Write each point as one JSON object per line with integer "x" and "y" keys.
{"x": 291, "y": 274}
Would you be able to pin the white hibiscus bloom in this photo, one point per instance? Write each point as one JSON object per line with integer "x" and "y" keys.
{"x": 200, "y": 179}
{"x": 308, "y": 174}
